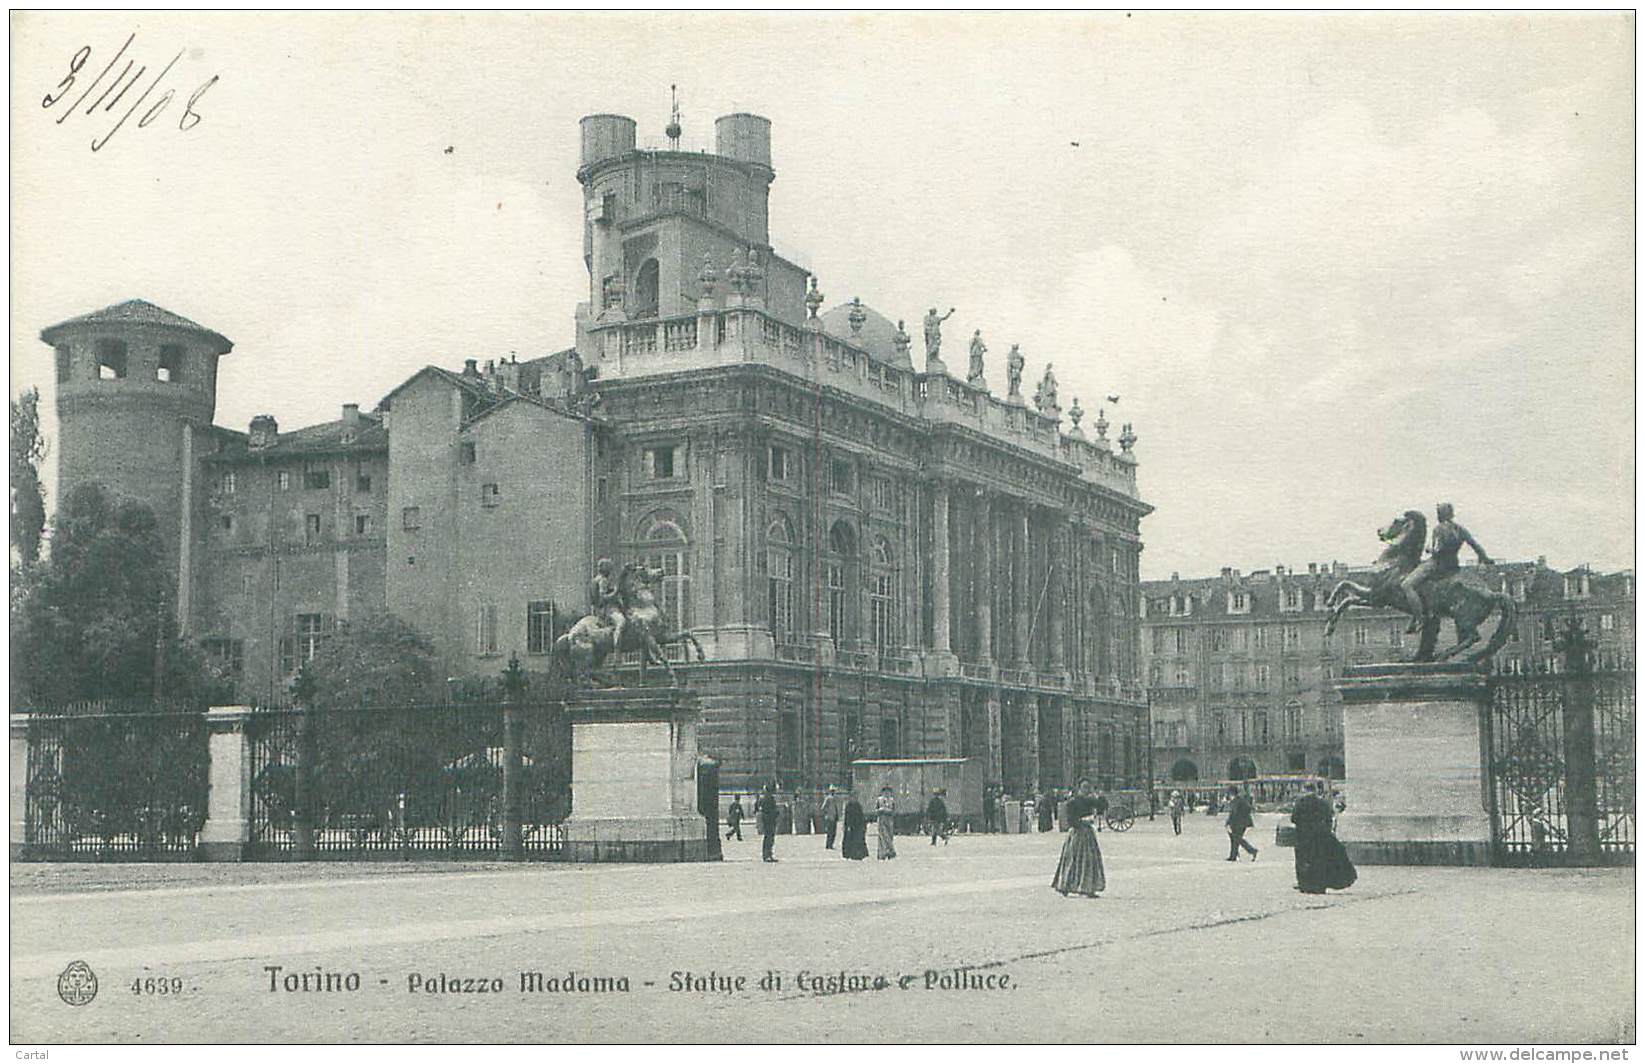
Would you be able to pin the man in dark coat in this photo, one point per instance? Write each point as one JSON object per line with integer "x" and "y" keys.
{"x": 936, "y": 817}
{"x": 1045, "y": 806}
{"x": 1322, "y": 863}
{"x": 1239, "y": 822}
{"x": 734, "y": 819}
{"x": 766, "y": 810}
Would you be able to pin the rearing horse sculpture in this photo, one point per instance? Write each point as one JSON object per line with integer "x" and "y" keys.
{"x": 582, "y": 650}
{"x": 1454, "y": 596}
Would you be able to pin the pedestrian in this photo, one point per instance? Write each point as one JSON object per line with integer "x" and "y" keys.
{"x": 734, "y": 818}
{"x": 831, "y": 815}
{"x": 854, "y": 841}
{"x": 1079, "y": 871}
{"x": 936, "y": 817}
{"x": 1101, "y": 810}
{"x": 1239, "y": 822}
{"x": 766, "y": 810}
{"x": 1176, "y": 807}
{"x": 885, "y": 815}
{"x": 1046, "y": 806}
{"x": 990, "y": 799}
{"x": 1322, "y": 863}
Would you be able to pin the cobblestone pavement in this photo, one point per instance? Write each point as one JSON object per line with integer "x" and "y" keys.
{"x": 1183, "y": 947}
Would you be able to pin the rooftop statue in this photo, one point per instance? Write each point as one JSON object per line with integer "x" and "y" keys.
{"x": 1441, "y": 589}
{"x": 975, "y": 374}
{"x": 1014, "y": 363}
{"x": 933, "y": 331}
{"x": 623, "y": 617}
{"x": 901, "y": 341}
{"x": 1048, "y": 391}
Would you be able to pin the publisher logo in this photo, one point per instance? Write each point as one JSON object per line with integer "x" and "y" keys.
{"x": 77, "y": 985}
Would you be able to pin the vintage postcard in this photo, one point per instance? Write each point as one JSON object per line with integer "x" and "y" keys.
{"x": 823, "y": 528}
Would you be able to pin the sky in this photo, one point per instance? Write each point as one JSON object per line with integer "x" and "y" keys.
{"x": 1334, "y": 266}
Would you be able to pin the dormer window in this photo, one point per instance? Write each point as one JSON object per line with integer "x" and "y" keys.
{"x": 1291, "y": 599}
{"x": 1181, "y": 604}
{"x": 1239, "y": 602}
{"x": 1576, "y": 585}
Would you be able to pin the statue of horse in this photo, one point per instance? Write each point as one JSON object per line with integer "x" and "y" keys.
{"x": 582, "y": 650}
{"x": 1467, "y": 603}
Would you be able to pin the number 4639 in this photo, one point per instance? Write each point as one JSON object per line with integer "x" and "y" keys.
{"x": 151, "y": 985}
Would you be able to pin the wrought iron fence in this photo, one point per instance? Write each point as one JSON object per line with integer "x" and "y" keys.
{"x": 1561, "y": 761}
{"x": 115, "y": 781}
{"x": 407, "y": 781}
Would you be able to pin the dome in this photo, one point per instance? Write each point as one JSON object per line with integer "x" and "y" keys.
{"x": 876, "y": 335}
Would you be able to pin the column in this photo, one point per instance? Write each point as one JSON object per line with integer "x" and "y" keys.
{"x": 1057, "y": 561}
{"x": 19, "y": 783}
{"x": 939, "y": 574}
{"x": 983, "y": 553}
{"x": 996, "y": 750}
{"x": 1022, "y": 607}
{"x": 1030, "y": 737}
{"x": 227, "y": 828}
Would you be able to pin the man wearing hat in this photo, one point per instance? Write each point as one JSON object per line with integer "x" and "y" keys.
{"x": 936, "y": 816}
{"x": 766, "y": 810}
{"x": 831, "y": 815}
{"x": 1176, "y": 806}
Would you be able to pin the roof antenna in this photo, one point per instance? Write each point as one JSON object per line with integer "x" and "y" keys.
{"x": 673, "y": 129}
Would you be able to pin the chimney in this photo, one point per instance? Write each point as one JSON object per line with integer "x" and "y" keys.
{"x": 491, "y": 373}
{"x": 1175, "y": 576}
{"x": 264, "y": 432}
{"x": 1227, "y": 573}
{"x": 351, "y": 414}
{"x": 1279, "y": 570}
{"x": 508, "y": 375}
{"x": 1542, "y": 561}
{"x": 471, "y": 367}
{"x": 1313, "y": 568}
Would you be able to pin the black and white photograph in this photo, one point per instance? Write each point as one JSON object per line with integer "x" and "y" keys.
{"x": 1106, "y": 528}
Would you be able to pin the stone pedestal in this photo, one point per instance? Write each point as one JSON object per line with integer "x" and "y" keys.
{"x": 1413, "y": 742}
{"x": 634, "y": 778}
{"x": 227, "y": 829}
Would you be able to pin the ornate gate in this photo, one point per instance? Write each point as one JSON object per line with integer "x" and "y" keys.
{"x": 1560, "y": 754}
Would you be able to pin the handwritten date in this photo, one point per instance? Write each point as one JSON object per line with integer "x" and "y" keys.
{"x": 115, "y": 91}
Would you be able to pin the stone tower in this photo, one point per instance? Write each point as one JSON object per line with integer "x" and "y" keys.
{"x": 136, "y": 391}
{"x": 652, "y": 216}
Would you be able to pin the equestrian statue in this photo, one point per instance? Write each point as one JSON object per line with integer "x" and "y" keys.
{"x": 1429, "y": 589}
{"x": 624, "y": 617}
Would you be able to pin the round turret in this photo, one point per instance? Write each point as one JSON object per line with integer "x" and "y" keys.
{"x": 606, "y": 136}
{"x": 136, "y": 391}
{"x": 744, "y": 137}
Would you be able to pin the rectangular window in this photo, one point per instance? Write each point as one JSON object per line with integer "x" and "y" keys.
{"x": 362, "y": 479}
{"x": 602, "y": 490}
{"x": 1262, "y": 677}
{"x": 1293, "y": 598}
{"x": 1362, "y": 635}
{"x": 779, "y": 466}
{"x": 1293, "y": 637}
{"x": 1237, "y": 602}
{"x": 225, "y": 522}
{"x": 836, "y": 601}
{"x": 659, "y": 463}
{"x": 228, "y": 655}
{"x": 311, "y": 529}
{"x": 284, "y": 479}
{"x": 362, "y": 524}
{"x": 1289, "y": 674}
{"x": 64, "y": 362}
{"x": 490, "y": 494}
{"x": 316, "y": 478}
{"x": 226, "y": 482}
{"x": 1181, "y": 635}
{"x": 890, "y": 736}
{"x": 1242, "y": 639}
{"x": 485, "y": 629}
{"x": 780, "y": 592}
{"x": 1396, "y": 635}
{"x": 788, "y": 741}
{"x": 879, "y": 609}
{"x": 111, "y": 360}
{"x": 1607, "y": 622}
{"x": 1259, "y": 637}
{"x": 465, "y": 452}
{"x": 309, "y": 630}
{"x": 539, "y": 627}
{"x": 411, "y": 518}
{"x": 170, "y": 367}
{"x": 1182, "y": 676}
{"x": 1219, "y": 639}
{"x": 885, "y": 495}
{"x": 1159, "y": 640}
{"x": 840, "y": 476}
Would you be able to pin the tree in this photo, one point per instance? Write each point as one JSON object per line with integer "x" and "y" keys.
{"x": 96, "y": 620}
{"x": 380, "y": 661}
{"x": 28, "y": 499}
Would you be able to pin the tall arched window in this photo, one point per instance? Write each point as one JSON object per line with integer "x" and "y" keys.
{"x": 663, "y": 545}
{"x": 842, "y": 558}
{"x": 881, "y": 596}
{"x": 779, "y": 556}
{"x": 645, "y": 291}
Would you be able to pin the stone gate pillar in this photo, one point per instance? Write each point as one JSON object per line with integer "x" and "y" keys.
{"x": 1414, "y": 739}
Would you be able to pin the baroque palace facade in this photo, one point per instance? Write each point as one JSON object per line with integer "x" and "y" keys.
{"x": 1239, "y": 667}
{"x": 879, "y": 560}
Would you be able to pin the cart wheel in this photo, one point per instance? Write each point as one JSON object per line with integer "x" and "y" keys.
{"x": 1120, "y": 821}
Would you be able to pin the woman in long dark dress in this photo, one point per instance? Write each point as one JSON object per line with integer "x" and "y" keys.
{"x": 854, "y": 846}
{"x": 1080, "y": 869}
{"x": 1322, "y": 863}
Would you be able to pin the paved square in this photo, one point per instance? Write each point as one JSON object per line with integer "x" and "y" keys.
{"x": 965, "y": 942}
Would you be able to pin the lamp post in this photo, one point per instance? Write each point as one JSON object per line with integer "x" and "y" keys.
{"x": 514, "y": 685}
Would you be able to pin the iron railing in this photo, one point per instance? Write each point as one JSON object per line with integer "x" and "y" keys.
{"x": 115, "y": 781}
